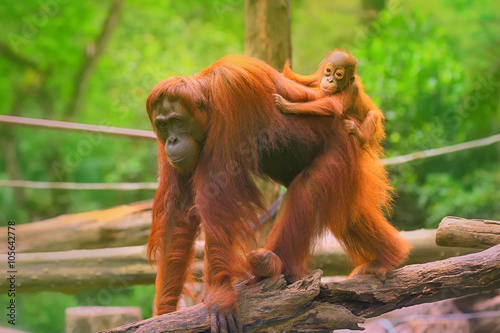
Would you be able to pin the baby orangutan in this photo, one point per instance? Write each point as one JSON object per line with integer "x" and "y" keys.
{"x": 339, "y": 92}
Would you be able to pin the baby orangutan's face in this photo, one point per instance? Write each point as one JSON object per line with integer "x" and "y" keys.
{"x": 338, "y": 72}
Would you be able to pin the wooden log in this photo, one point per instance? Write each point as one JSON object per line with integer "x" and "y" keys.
{"x": 308, "y": 305}
{"x": 456, "y": 231}
{"x": 332, "y": 259}
{"x": 73, "y": 271}
{"x": 270, "y": 302}
{"x": 119, "y": 226}
{"x": 97, "y": 318}
{"x": 125, "y": 225}
{"x": 417, "y": 284}
{"x": 129, "y": 225}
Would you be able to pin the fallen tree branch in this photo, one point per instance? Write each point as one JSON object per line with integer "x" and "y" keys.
{"x": 124, "y": 225}
{"x": 331, "y": 258}
{"x": 457, "y": 231}
{"x": 308, "y": 305}
{"x": 74, "y": 271}
{"x": 417, "y": 284}
{"x": 265, "y": 307}
{"x": 129, "y": 225}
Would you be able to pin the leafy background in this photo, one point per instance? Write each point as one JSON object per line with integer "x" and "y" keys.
{"x": 432, "y": 66}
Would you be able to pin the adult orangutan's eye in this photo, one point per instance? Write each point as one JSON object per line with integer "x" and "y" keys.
{"x": 161, "y": 124}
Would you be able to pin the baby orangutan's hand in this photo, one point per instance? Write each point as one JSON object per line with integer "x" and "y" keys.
{"x": 351, "y": 128}
{"x": 282, "y": 104}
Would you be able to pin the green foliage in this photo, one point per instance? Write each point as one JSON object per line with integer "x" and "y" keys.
{"x": 44, "y": 311}
{"x": 141, "y": 296}
{"x": 476, "y": 194}
{"x": 432, "y": 99}
{"x": 433, "y": 69}
{"x": 412, "y": 75}
{"x": 41, "y": 312}
{"x": 151, "y": 42}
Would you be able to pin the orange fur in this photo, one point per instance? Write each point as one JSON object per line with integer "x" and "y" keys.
{"x": 307, "y": 80}
{"x": 246, "y": 136}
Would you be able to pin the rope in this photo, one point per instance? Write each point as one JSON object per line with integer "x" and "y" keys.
{"x": 150, "y": 135}
{"x": 79, "y": 186}
{"x": 64, "y": 125}
{"x": 441, "y": 151}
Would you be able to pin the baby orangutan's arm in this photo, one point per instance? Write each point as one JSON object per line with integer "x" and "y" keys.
{"x": 324, "y": 106}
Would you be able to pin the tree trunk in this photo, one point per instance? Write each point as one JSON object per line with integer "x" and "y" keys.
{"x": 267, "y": 31}
{"x": 268, "y": 37}
{"x": 371, "y": 9}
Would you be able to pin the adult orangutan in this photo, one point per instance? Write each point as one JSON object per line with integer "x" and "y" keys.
{"x": 340, "y": 92}
{"x": 217, "y": 130}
